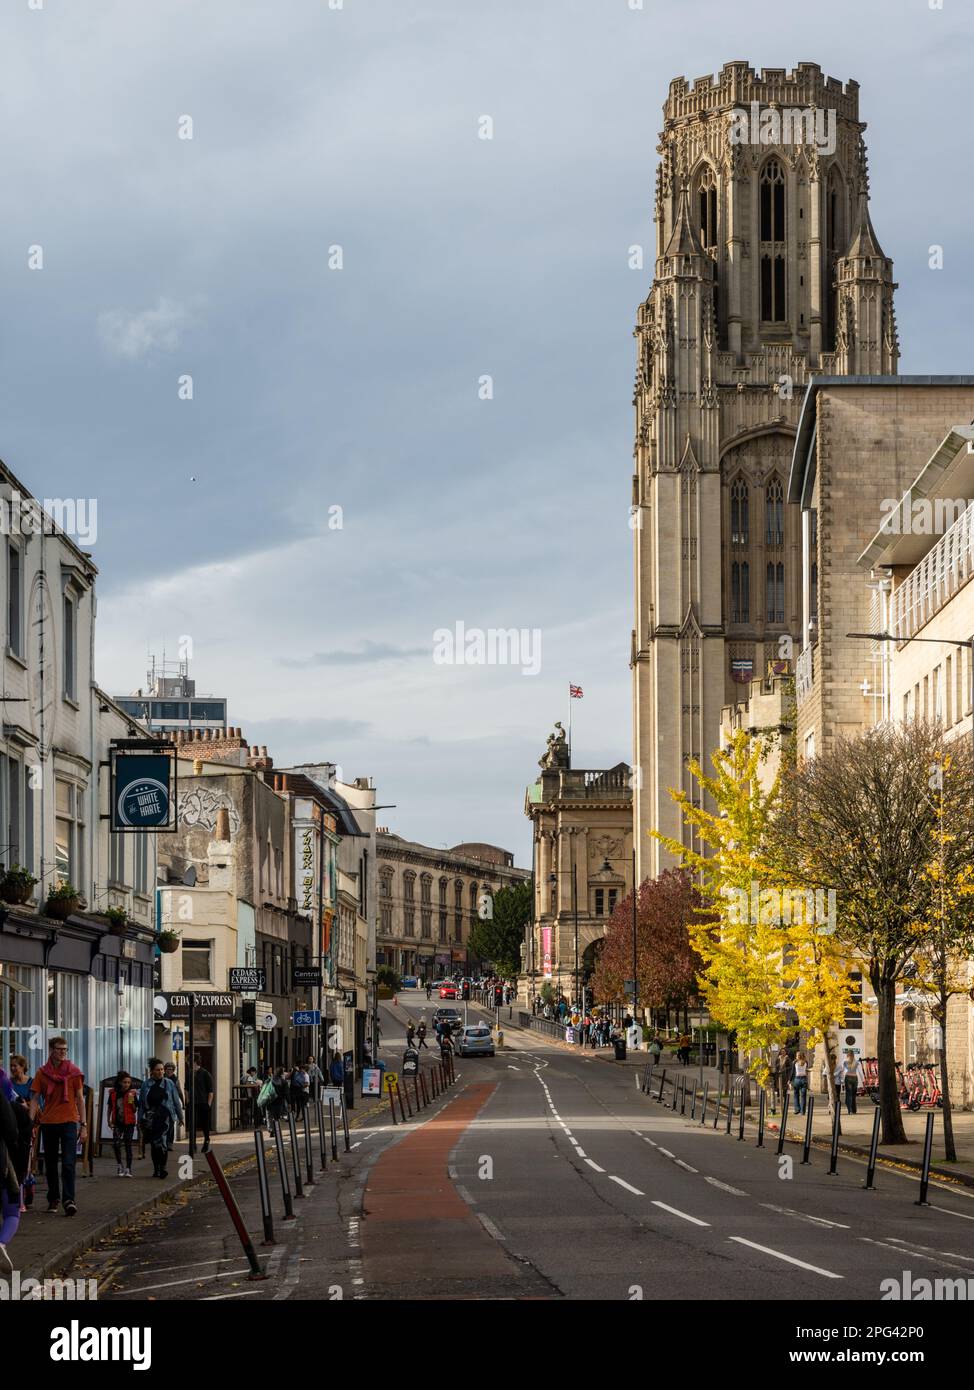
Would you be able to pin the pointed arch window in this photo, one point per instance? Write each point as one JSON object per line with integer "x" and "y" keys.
{"x": 772, "y": 202}
{"x": 774, "y": 593}
{"x": 707, "y": 206}
{"x": 774, "y": 507}
{"x": 773, "y": 289}
{"x": 740, "y": 592}
{"x": 739, "y": 512}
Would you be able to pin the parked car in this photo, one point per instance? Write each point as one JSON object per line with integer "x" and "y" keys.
{"x": 448, "y": 991}
{"x": 476, "y": 1041}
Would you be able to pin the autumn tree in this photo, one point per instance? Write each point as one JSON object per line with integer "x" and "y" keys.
{"x": 666, "y": 963}
{"x": 859, "y": 820}
{"x": 498, "y": 937}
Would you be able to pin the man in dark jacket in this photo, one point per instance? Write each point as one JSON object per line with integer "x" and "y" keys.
{"x": 199, "y": 1094}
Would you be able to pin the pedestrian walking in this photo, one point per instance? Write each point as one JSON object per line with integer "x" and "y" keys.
{"x": 20, "y": 1077}
{"x": 300, "y": 1089}
{"x": 123, "y": 1104}
{"x": 421, "y": 1035}
{"x": 683, "y": 1049}
{"x": 847, "y": 1079}
{"x": 336, "y": 1070}
{"x": 59, "y": 1087}
{"x": 797, "y": 1071}
{"x": 655, "y": 1049}
{"x": 159, "y": 1109}
{"x": 410, "y": 1034}
{"x": 15, "y": 1132}
{"x": 316, "y": 1076}
{"x": 199, "y": 1089}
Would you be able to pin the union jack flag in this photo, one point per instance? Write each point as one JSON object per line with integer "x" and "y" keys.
{"x": 575, "y": 692}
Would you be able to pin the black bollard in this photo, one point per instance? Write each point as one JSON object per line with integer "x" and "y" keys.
{"x": 348, "y": 1142}
{"x": 762, "y": 1102}
{"x": 309, "y": 1167}
{"x": 320, "y": 1113}
{"x": 836, "y": 1128}
{"x": 706, "y": 1097}
{"x": 693, "y": 1102}
{"x": 869, "y": 1184}
{"x": 740, "y": 1123}
{"x": 264, "y": 1188}
{"x": 298, "y": 1184}
{"x": 334, "y": 1133}
{"x": 730, "y": 1104}
{"x": 283, "y": 1173}
{"x": 925, "y": 1171}
{"x": 662, "y": 1082}
{"x": 784, "y": 1122}
{"x": 720, "y": 1096}
{"x": 807, "y": 1145}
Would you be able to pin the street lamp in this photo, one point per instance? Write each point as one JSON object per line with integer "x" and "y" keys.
{"x": 967, "y": 642}
{"x": 607, "y": 868}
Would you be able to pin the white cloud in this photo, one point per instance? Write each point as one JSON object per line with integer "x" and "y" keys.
{"x": 136, "y": 335}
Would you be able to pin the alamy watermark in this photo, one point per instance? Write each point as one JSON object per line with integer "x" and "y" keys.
{"x": 19, "y": 1290}
{"x": 906, "y": 1289}
{"x": 781, "y": 906}
{"x": 491, "y": 646}
{"x": 922, "y": 516}
{"x": 71, "y": 516}
{"x": 788, "y": 125}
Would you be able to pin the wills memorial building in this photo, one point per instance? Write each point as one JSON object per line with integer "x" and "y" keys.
{"x": 768, "y": 271}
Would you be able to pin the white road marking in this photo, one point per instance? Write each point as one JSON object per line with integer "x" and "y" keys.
{"x": 221, "y": 1297}
{"x": 512, "y": 1067}
{"x": 804, "y": 1216}
{"x": 628, "y": 1186}
{"x": 196, "y": 1279}
{"x": 594, "y": 1165}
{"x": 651, "y": 1141}
{"x": 579, "y": 1152}
{"x": 165, "y": 1269}
{"x": 789, "y": 1259}
{"x": 489, "y": 1226}
{"x": 725, "y": 1187}
{"x": 962, "y": 1214}
{"x": 666, "y": 1152}
{"x": 356, "y": 1144}
{"x": 928, "y": 1250}
{"x": 676, "y": 1212}
{"x": 680, "y": 1164}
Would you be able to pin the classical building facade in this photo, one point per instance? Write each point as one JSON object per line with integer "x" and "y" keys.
{"x": 582, "y": 828}
{"x": 430, "y": 900}
{"x": 767, "y": 271}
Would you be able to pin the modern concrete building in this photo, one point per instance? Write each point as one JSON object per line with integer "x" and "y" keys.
{"x": 169, "y": 703}
{"x": 767, "y": 270}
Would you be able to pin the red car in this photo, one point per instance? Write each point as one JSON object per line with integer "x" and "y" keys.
{"x": 448, "y": 991}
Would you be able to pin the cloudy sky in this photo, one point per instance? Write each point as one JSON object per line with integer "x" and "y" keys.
{"x": 317, "y": 388}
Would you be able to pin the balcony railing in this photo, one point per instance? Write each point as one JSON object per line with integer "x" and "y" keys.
{"x": 944, "y": 570}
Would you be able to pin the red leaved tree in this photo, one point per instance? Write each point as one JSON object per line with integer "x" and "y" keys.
{"x": 666, "y": 964}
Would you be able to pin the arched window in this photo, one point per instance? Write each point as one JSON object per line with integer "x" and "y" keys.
{"x": 774, "y": 593}
{"x": 707, "y": 206}
{"x": 772, "y": 202}
{"x": 740, "y": 592}
{"x": 772, "y": 289}
{"x": 739, "y": 516}
{"x": 774, "y": 498}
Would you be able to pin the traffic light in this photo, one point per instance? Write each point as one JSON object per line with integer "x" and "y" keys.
{"x": 498, "y": 994}
{"x": 465, "y": 991}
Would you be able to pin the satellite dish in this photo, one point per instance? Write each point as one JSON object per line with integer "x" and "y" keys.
{"x": 189, "y": 877}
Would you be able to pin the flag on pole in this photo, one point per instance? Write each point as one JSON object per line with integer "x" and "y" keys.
{"x": 575, "y": 692}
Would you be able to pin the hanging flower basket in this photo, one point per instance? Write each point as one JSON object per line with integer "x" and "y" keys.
{"x": 62, "y": 901}
{"x": 17, "y": 885}
{"x": 168, "y": 942}
{"x": 117, "y": 921}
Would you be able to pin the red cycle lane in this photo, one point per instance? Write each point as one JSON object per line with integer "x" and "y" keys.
{"x": 420, "y": 1239}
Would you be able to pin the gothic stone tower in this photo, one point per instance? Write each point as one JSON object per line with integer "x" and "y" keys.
{"x": 767, "y": 271}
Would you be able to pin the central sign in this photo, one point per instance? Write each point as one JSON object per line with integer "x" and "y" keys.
{"x": 305, "y": 975}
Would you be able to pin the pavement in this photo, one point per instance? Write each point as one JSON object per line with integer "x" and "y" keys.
{"x": 544, "y": 1173}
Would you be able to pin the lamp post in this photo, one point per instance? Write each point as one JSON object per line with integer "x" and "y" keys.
{"x": 607, "y": 868}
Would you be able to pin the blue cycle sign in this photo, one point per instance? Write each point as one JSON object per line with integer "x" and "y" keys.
{"x": 142, "y": 791}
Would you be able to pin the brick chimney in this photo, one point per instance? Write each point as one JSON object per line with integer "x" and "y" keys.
{"x": 219, "y": 853}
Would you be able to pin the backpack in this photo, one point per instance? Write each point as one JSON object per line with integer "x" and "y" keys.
{"x": 266, "y": 1093}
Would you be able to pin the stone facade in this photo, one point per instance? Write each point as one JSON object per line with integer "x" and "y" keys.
{"x": 582, "y": 854}
{"x": 430, "y": 899}
{"x": 767, "y": 270}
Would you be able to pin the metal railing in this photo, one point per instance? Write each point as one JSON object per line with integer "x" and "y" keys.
{"x": 945, "y": 568}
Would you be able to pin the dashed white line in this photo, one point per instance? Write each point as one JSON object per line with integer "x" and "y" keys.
{"x": 680, "y": 1164}
{"x": 805, "y": 1216}
{"x": 666, "y": 1152}
{"x": 675, "y": 1211}
{"x": 789, "y": 1259}
{"x": 628, "y": 1186}
{"x": 725, "y": 1187}
{"x": 579, "y": 1152}
{"x": 594, "y": 1165}
{"x": 962, "y": 1214}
